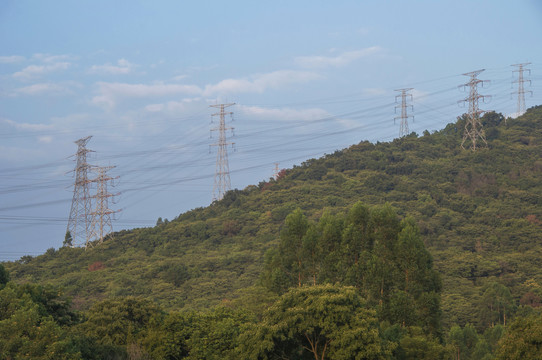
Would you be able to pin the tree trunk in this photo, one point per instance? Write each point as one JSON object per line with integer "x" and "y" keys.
{"x": 299, "y": 273}
{"x": 381, "y": 292}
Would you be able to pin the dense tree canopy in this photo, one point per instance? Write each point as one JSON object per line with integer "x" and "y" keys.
{"x": 320, "y": 322}
{"x": 383, "y": 257}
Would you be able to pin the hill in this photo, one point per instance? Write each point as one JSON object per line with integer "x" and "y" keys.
{"x": 479, "y": 214}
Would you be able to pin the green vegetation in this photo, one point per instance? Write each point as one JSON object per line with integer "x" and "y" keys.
{"x": 383, "y": 258}
{"x": 437, "y": 249}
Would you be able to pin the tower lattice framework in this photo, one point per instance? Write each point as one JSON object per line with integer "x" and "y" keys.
{"x": 101, "y": 216}
{"x": 521, "y": 89}
{"x": 222, "y": 173}
{"x": 80, "y": 222}
{"x": 403, "y": 130}
{"x": 473, "y": 126}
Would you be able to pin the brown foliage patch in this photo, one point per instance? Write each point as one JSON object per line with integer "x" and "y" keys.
{"x": 98, "y": 265}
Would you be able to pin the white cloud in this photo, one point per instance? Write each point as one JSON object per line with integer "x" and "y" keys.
{"x": 284, "y": 114}
{"x": 11, "y": 59}
{"x": 72, "y": 121}
{"x": 42, "y": 88}
{"x": 109, "y": 93}
{"x": 32, "y": 71}
{"x": 154, "y": 107}
{"x": 373, "y": 91}
{"x": 179, "y": 77}
{"x": 123, "y": 67}
{"x": 45, "y": 139}
{"x": 26, "y": 126}
{"x": 349, "y": 123}
{"x": 48, "y": 58}
{"x": 336, "y": 61}
{"x": 260, "y": 83}
{"x": 418, "y": 95}
{"x": 174, "y": 107}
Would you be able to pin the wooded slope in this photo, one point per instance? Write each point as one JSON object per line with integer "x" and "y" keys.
{"x": 480, "y": 216}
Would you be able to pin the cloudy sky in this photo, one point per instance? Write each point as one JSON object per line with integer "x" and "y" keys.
{"x": 307, "y": 77}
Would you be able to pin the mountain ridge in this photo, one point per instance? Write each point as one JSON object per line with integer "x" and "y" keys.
{"x": 478, "y": 212}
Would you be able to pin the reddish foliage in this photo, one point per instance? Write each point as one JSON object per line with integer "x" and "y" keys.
{"x": 98, "y": 265}
{"x": 281, "y": 174}
{"x": 530, "y": 299}
{"x": 533, "y": 220}
{"x": 231, "y": 227}
{"x": 266, "y": 186}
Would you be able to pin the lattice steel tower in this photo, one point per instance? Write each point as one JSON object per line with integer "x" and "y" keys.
{"x": 473, "y": 126}
{"x": 79, "y": 223}
{"x": 101, "y": 216}
{"x": 222, "y": 172}
{"x": 403, "y": 130}
{"x": 521, "y": 91}
{"x": 276, "y": 172}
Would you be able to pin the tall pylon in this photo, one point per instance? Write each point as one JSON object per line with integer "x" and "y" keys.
{"x": 473, "y": 126}
{"x": 276, "y": 172}
{"x": 521, "y": 91}
{"x": 79, "y": 223}
{"x": 222, "y": 172}
{"x": 403, "y": 130}
{"x": 101, "y": 216}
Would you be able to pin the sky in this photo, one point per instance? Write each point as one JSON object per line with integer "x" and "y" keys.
{"x": 307, "y": 78}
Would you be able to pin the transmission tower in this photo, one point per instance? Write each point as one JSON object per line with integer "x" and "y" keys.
{"x": 101, "y": 216}
{"x": 276, "y": 172}
{"x": 79, "y": 223}
{"x": 473, "y": 126}
{"x": 403, "y": 131}
{"x": 521, "y": 91}
{"x": 222, "y": 172}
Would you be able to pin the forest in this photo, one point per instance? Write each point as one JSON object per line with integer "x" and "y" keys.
{"x": 409, "y": 249}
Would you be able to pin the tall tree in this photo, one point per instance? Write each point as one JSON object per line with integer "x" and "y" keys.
{"x": 291, "y": 246}
{"x": 318, "y": 322}
{"x": 4, "y": 275}
{"x": 496, "y": 304}
{"x": 68, "y": 240}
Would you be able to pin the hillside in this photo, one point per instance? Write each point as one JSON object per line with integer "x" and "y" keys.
{"x": 479, "y": 213}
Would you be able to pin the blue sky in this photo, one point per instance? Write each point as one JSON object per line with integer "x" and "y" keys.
{"x": 308, "y": 78}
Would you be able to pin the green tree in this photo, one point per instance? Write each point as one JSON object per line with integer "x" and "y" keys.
{"x": 522, "y": 340}
{"x": 320, "y": 322}
{"x": 312, "y": 254}
{"x": 196, "y": 335}
{"x": 416, "y": 345}
{"x": 463, "y": 341}
{"x": 4, "y": 276}
{"x": 330, "y": 228}
{"x": 289, "y": 259}
{"x": 496, "y": 304}
{"x": 68, "y": 240}
{"x": 119, "y": 321}
{"x": 27, "y": 332}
